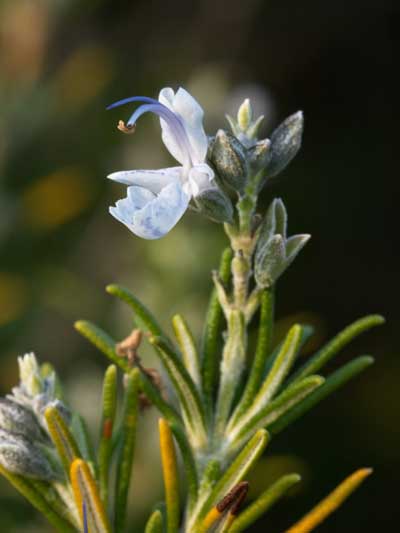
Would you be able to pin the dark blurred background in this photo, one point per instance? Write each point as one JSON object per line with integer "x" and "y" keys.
{"x": 61, "y": 63}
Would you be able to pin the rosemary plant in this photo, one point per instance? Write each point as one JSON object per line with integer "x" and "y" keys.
{"x": 229, "y": 400}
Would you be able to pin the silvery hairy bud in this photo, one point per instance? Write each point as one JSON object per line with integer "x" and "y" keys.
{"x": 29, "y": 374}
{"x": 259, "y": 155}
{"x": 245, "y": 115}
{"x": 17, "y": 419}
{"x": 244, "y": 127}
{"x": 215, "y": 204}
{"x": 229, "y": 159}
{"x": 38, "y": 388}
{"x": 21, "y": 456}
{"x": 285, "y": 143}
{"x": 275, "y": 252}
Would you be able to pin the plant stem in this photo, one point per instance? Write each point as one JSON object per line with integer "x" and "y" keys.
{"x": 242, "y": 243}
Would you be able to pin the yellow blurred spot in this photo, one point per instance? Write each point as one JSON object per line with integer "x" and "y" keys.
{"x": 81, "y": 77}
{"x": 24, "y": 32}
{"x": 13, "y": 297}
{"x": 56, "y": 199}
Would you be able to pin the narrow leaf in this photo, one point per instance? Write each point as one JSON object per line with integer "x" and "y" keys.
{"x": 57, "y": 501}
{"x": 107, "y": 427}
{"x": 28, "y": 490}
{"x": 125, "y": 455}
{"x": 155, "y": 523}
{"x": 62, "y": 437}
{"x": 236, "y": 472}
{"x": 170, "y": 474}
{"x": 280, "y": 367}
{"x": 145, "y": 319}
{"x": 232, "y": 365}
{"x": 279, "y": 370}
{"x": 175, "y": 423}
{"x": 213, "y": 332}
{"x": 328, "y": 505}
{"x": 188, "y": 348}
{"x": 262, "y": 351}
{"x": 264, "y": 502}
{"x": 86, "y": 494}
{"x": 333, "y": 382}
{"x": 271, "y": 412}
{"x": 186, "y": 390}
{"x": 103, "y": 341}
{"x": 336, "y": 344}
{"x": 80, "y": 432}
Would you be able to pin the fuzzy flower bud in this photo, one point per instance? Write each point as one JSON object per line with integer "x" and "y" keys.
{"x": 215, "y": 204}
{"x": 245, "y": 115}
{"x": 275, "y": 252}
{"x": 21, "y": 456}
{"x": 285, "y": 143}
{"x": 18, "y": 419}
{"x": 229, "y": 159}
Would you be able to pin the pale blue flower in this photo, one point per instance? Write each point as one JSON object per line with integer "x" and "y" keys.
{"x": 157, "y": 199}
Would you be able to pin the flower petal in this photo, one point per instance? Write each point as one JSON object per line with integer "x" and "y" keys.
{"x": 191, "y": 113}
{"x": 201, "y": 178}
{"x": 153, "y": 180}
{"x": 150, "y": 216}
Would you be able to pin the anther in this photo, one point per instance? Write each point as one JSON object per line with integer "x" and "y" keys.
{"x": 126, "y": 129}
{"x": 234, "y": 498}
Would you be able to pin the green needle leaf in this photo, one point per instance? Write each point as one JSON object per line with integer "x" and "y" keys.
{"x": 232, "y": 366}
{"x": 107, "y": 427}
{"x": 155, "y": 523}
{"x": 153, "y": 394}
{"x": 62, "y": 438}
{"x": 30, "y": 492}
{"x": 103, "y": 341}
{"x": 189, "y": 398}
{"x": 264, "y": 502}
{"x": 80, "y": 432}
{"x": 343, "y": 338}
{"x": 213, "y": 332}
{"x": 235, "y": 473}
{"x": 271, "y": 412}
{"x": 144, "y": 318}
{"x": 262, "y": 351}
{"x": 55, "y": 500}
{"x": 188, "y": 348}
{"x": 279, "y": 370}
{"x": 333, "y": 382}
{"x": 125, "y": 456}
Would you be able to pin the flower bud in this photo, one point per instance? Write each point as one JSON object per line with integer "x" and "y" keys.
{"x": 17, "y": 419}
{"x": 245, "y": 115}
{"x": 275, "y": 222}
{"x": 215, "y": 204}
{"x": 259, "y": 155}
{"x": 275, "y": 252}
{"x": 285, "y": 143}
{"x": 270, "y": 261}
{"x": 21, "y": 456}
{"x": 229, "y": 158}
{"x": 29, "y": 372}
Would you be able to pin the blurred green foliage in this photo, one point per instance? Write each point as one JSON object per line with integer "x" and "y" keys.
{"x": 61, "y": 63}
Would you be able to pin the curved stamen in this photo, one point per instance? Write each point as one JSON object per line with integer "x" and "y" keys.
{"x": 133, "y": 99}
{"x": 154, "y": 106}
